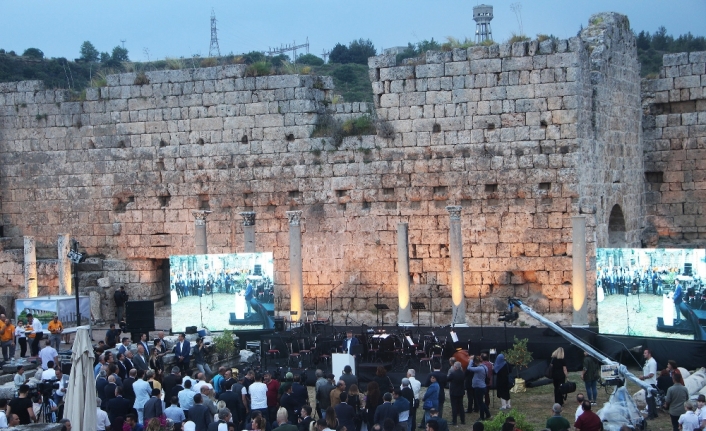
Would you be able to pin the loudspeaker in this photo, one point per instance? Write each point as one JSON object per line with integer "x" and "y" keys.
{"x": 66, "y": 368}
{"x": 257, "y": 270}
{"x": 190, "y": 330}
{"x": 279, "y": 324}
{"x": 139, "y": 316}
{"x": 687, "y": 269}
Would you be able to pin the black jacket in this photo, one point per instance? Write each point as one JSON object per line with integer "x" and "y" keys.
{"x": 200, "y": 415}
{"x": 384, "y": 411}
{"x": 345, "y": 415}
{"x": 118, "y": 406}
{"x": 457, "y": 381}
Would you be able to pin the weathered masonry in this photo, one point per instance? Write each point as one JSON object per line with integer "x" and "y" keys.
{"x": 522, "y": 136}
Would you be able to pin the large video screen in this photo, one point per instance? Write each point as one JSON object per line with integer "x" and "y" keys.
{"x": 651, "y": 292}
{"x": 222, "y": 291}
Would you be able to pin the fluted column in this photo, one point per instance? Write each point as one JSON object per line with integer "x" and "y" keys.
{"x": 404, "y": 315}
{"x": 296, "y": 280}
{"x": 30, "y": 267}
{"x": 200, "y": 238}
{"x": 63, "y": 248}
{"x": 578, "y": 288}
{"x": 249, "y": 230}
{"x": 458, "y": 298}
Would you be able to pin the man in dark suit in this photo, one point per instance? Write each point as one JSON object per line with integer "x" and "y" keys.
{"x": 140, "y": 359}
{"x": 349, "y": 342}
{"x": 128, "y": 391}
{"x": 348, "y": 376}
{"x": 153, "y": 406}
{"x": 120, "y": 363}
{"x": 143, "y": 342}
{"x": 182, "y": 351}
{"x": 118, "y": 406}
{"x": 108, "y": 392}
{"x": 305, "y": 418}
{"x": 345, "y": 413}
{"x": 233, "y": 402}
{"x": 200, "y": 414}
{"x": 386, "y": 410}
{"x": 128, "y": 363}
{"x": 168, "y": 383}
{"x": 289, "y": 402}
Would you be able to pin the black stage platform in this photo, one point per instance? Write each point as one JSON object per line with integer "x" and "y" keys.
{"x": 325, "y": 339}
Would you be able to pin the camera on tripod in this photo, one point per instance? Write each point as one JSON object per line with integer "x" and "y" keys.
{"x": 47, "y": 387}
{"x": 508, "y": 316}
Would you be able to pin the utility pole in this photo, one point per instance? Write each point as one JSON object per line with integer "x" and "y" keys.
{"x": 213, "y": 49}
{"x": 325, "y": 55}
{"x": 285, "y": 48}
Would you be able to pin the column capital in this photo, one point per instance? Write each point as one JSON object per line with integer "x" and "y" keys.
{"x": 248, "y": 218}
{"x": 294, "y": 217}
{"x": 200, "y": 216}
{"x": 454, "y": 212}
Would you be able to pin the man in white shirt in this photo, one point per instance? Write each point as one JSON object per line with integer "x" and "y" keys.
{"x": 579, "y": 409}
{"x": 196, "y": 386}
{"x": 416, "y": 385}
{"x": 49, "y": 373}
{"x": 649, "y": 375}
{"x": 38, "y": 332}
{"x": 258, "y": 395}
{"x": 48, "y": 354}
{"x": 102, "y": 421}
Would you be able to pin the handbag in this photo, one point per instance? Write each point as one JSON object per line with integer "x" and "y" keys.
{"x": 549, "y": 371}
{"x": 567, "y": 387}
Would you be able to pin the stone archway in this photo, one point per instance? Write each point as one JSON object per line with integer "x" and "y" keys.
{"x": 616, "y": 228}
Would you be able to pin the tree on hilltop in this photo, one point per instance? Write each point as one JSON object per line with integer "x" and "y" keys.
{"x": 89, "y": 52}
{"x": 120, "y": 54}
{"x": 357, "y": 51}
{"x": 310, "y": 60}
{"x": 33, "y": 53}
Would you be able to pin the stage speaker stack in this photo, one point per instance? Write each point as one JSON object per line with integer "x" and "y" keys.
{"x": 139, "y": 317}
{"x": 688, "y": 269}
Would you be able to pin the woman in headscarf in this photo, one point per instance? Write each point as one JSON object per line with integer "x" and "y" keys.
{"x": 502, "y": 383}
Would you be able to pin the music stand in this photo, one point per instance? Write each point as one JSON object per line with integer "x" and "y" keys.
{"x": 418, "y": 306}
{"x": 291, "y": 319}
{"x": 379, "y": 307}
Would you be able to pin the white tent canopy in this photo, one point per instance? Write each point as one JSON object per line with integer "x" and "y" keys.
{"x": 80, "y": 401}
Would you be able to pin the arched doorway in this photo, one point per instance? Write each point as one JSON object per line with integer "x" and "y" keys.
{"x": 616, "y": 228}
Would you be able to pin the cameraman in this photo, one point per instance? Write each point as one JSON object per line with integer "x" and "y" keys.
{"x": 200, "y": 358}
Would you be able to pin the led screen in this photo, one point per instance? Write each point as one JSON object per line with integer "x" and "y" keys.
{"x": 222, "y": 291}
{"x": 651, "y": 292}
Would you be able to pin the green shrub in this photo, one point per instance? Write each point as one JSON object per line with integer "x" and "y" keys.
{"x": 259, "y": 68}
{"x": 141, "y": 79}
{"x": 362, "y": 125}
{"x": 518, "y": 38}
{"x": 496, "y": 423}
{"x": 209, "y": 62}
{"x": 519, "y": 355}
{"x": 223, "y": 344}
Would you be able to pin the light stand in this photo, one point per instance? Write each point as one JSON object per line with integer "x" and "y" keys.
{"x": 419, "y": 306}
{"x": 480, "y": 307}
{"x": 629, "y": 330}
{"x": 76, "y": 257}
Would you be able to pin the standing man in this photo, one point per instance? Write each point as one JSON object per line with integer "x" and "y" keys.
{"x": 401, "y": 406}
{"x": 248, "y": 296}
{"x": 272, "y": 394}
{"x": 55, "y": 329}
{"x": 416, "y": 386}
{"x": 677, "y": 297}
{"x": 48, "y": 354}
{"x": 7, "y": 337}
{"x": 649, "y": 375}
{"x": 120, "y": 297}
{"x": 182, "y": 351}
{"x": 349, "y": 342}
{"x": 38, "y": 333}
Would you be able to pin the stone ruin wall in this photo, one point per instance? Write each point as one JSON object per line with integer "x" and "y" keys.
{"x": 674, "y": 137}
{"x": 505, "y": 131}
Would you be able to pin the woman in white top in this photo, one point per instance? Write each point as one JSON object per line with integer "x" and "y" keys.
{"x": 21, "y": 338}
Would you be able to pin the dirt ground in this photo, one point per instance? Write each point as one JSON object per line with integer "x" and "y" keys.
{"x": 212, "y": 313}
{"x": 641, "y": 316}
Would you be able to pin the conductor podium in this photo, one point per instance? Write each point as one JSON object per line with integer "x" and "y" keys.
{"x": 339, "y": 362}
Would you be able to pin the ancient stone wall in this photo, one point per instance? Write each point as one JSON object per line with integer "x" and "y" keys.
{"x": 509, "y": 132}
{"x": 674, "y": 136}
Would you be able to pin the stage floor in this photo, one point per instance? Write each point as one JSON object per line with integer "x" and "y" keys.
{"x": 642, "y": 314}
{"x": 209, "y": 312}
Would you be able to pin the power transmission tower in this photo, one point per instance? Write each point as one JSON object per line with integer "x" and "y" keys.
{"x": 325, "y": 54}
{"x": 214, "y": 50}
{"x": 284, "y": 48}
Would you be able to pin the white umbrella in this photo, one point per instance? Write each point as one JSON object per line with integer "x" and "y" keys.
{"x": 80, "y": 400}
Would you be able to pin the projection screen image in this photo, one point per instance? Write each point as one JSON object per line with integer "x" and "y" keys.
{"x": 222, "y": 291}
{"x": 651, "y": 292}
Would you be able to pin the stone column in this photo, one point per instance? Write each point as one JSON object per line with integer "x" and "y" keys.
{"x": 30, "y": 267}
{"x": 578, "y": 290}
{"x": 200, "y": 237}
{"x": 458, "y": 298}
{"x": 296, "y": 280}
{"x": 63, "y": 248}
{"x": 249, "y": 230}
{"x": 404, "y": 315}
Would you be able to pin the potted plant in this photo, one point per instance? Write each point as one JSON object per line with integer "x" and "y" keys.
{"x": 520, "y": 357}
{"x": 223, "y": 344}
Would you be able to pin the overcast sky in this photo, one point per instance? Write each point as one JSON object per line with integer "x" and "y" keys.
{"x": 176, "y": 28}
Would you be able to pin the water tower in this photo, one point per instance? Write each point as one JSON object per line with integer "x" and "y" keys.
{"x": 482, "y": 15}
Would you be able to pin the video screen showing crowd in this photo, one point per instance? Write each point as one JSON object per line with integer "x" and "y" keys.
{"x": 222, "y": 290}
{"x": 666, "y": 285}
